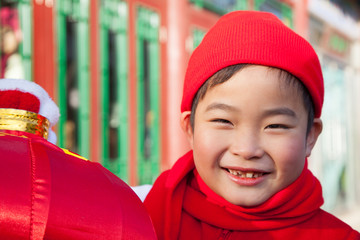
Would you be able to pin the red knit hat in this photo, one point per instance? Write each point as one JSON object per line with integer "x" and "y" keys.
{"x": 255, "y": 38}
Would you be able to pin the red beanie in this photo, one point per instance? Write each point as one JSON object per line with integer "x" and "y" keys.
{"x": 255, "y": 38}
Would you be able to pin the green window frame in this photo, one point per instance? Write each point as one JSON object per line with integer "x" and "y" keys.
{"x": 198, "y": 36}
{"x": 114, "y": 86}
{"x": 339, "y": 44}
{"x": 282, "y": 10}
{"x": 148, "y": 23}
{"x": 25, "y": 50}
{"x": 215, "y": 7}
{"x": 74, "y": 13}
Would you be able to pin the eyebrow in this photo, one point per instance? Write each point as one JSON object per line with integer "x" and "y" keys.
{"x": 267, "y": 113}
{"x": 220, "y": 106}
{"x": 280, "y": 111}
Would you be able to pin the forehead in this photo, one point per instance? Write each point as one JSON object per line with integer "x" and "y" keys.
{"x": 282, "y": 81}
{"x": 257, "y": 83}
{"x": 287, "y": 80}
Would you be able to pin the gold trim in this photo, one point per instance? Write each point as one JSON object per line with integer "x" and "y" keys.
{"x": 25, "y": 121}
{"x": 74, "y": 154}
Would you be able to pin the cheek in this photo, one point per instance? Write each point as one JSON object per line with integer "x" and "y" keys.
{"x": 210, "y": 141}
{"x": 202, "y": 145}
{"x": 289, "y": 157}
{"x": 208, "y": 147}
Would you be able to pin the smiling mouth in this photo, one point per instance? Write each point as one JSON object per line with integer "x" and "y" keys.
{"x": 243, "y": 174}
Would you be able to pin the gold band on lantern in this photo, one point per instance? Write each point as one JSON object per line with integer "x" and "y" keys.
{"x": 25, "y": 121}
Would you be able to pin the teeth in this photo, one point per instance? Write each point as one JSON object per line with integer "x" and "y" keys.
{"x": 245, "y": 174}
{"x": 233, "y": 172}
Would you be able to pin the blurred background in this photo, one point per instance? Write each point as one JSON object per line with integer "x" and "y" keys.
{"x": 116, "y": 68}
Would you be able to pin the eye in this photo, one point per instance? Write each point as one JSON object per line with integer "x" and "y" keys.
{"x": 276, "y": 126}
{"x": 221, "y": 121}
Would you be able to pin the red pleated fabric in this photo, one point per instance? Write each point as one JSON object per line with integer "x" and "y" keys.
{"x": 48, "y": 193}
{"x": 183, "y": 207}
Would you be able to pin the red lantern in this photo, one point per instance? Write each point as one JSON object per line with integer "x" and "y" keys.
{"x": 50, "y": 193}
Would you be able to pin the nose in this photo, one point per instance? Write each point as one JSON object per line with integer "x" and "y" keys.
{"x": 247, "y": 145}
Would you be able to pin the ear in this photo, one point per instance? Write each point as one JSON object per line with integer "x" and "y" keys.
{"x": 186, "y": 126}
{"x": 313, "y": 135}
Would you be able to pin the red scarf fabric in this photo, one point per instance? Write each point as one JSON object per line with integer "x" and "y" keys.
{"x": 182, "y": 206}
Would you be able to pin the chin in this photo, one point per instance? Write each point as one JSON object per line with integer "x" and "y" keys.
{"x": 247, "y": 203}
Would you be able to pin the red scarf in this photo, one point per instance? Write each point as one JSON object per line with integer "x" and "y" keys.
{"x": 182, "y": 205}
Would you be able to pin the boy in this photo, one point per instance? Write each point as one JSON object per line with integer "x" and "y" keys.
{"x": 251, "y": 107}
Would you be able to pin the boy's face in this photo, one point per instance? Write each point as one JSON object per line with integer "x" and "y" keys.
{"x": 249, "y": 139}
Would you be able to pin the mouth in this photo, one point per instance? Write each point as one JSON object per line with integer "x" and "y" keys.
{"x": 246, "y": 174}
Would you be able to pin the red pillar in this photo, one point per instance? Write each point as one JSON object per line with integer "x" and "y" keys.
{"x": 301, "y": 18}
{"x": 132, "y": 95}
{"x": 174, "y": 142}
{"x": 95, "y": 124}
{"x": 43, "y": 46}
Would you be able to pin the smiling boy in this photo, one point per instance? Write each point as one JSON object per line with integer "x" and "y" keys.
{"x": 251, "y": 108}
{"x": 250, "y": 140}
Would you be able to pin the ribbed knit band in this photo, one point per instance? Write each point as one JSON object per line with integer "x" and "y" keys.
{"x": 255, "y": 38}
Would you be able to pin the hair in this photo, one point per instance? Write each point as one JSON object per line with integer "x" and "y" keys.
{"x": 226, "y": 73}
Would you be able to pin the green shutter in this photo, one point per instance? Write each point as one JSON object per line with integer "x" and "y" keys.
{"x": 198, "y": 35}
{"x": 282, "y": 10}
{"x": 61, "y": 31}
{"x": 114, "y": 114}
{"x": 24, "y": 9}
{"x": 25, "y": 48}
{"x": 84, "y": 79}
{"x": 287, "y": 14}
{"x": 74, "y": 13}
{"x": 148, "y": 94}
{"x": 221, "y": 7}
{"x": 258, "y": 3}
{"x": 241, "y": 5}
